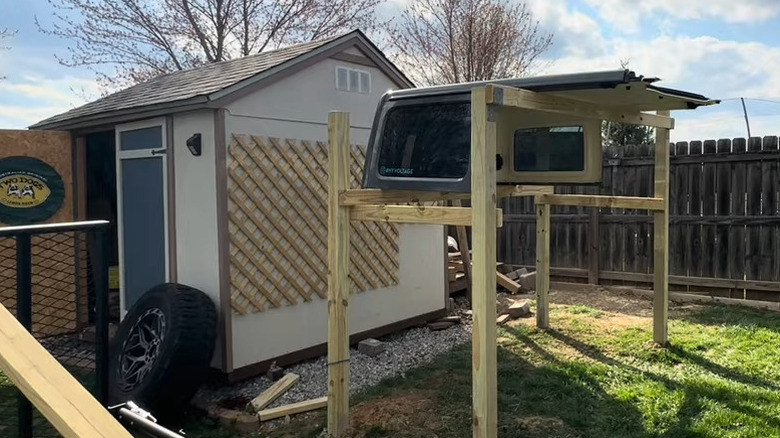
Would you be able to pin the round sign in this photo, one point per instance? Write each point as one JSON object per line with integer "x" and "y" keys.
{"x": 30, "y": 190}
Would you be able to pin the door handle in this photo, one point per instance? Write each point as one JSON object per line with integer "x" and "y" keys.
{"x": 158, "y": 151}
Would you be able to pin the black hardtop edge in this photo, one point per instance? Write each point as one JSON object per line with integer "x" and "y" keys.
{"x": 60, "y": 227}
{"x": 549, "y": 83}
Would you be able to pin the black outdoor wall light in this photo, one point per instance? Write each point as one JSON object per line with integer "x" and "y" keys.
{"x": 193, "y": 144}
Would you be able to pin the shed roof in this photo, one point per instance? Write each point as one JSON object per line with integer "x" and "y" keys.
{"x": 209, "y": 84}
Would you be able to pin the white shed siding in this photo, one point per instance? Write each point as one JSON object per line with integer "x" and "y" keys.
{"x": 297, "y": 107}
{"x": 196, "y": 206}
{"x": 276, "y": 332}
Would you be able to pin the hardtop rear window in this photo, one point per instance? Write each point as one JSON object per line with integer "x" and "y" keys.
{"x": 426, "y": 141}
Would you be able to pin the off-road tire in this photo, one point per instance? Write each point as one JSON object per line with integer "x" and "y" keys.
{"x": 182, "y": 357}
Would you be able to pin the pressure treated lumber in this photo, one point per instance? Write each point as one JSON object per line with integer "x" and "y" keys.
{"x": 294, "y": 408}
{"x": 661, "y": 238}
{"x": 483, "y": 201}
{"x": 542, "y": 265}
{"x": 507, "y": 283}
{"x": 517, "y": 97}
{"x": 377, "y": 196}
{"x": 411, "y": 214}
{"x": 65, "y": 403}
{"x": 338, "y": 275}
{"x": 272, "y": 393}
{"x": 629, "y": 202}
{"x": 463, "y": 244}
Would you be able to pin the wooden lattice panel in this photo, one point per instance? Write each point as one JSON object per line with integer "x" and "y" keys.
{"x": 277, "y": 205}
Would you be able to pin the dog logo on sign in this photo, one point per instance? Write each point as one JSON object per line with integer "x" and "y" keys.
{"x": 13, "y": 190}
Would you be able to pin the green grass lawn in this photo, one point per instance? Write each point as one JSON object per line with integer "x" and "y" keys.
{"x": 595, "y": 373}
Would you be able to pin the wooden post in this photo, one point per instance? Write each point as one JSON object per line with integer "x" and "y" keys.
{"x": 338, "y": 274}
{"x": 661, "y": 237}
{"x": 542, "y": 265}
{"x": 593, "y": 245}
{"x": 483, "y": 205}
{"x": 465, "y": 257}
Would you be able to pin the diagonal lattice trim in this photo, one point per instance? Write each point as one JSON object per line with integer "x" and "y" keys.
{"x": 277, "y": 209}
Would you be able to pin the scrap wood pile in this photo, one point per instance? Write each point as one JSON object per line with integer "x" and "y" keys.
{"x": 513, "y": 280}
{"x": 259, "y": 404}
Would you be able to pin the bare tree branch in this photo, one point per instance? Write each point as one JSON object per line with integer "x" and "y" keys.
{"x": 448, "y": 41}
{"x": 5, "y": 34}
{"x": 140, "y": 39}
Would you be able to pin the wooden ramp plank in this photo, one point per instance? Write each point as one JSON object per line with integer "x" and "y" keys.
{"x": 68, "y": 406}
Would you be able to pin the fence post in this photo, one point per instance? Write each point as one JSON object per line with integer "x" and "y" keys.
{"x": 101, "y": 317}
{"x": 24, "y": 316}
{"x": 593, "y": 245}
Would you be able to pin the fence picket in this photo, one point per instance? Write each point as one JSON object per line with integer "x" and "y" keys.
{"x": 722, "y": 208}
{"x": 738, "y": 208}
{"x": 754, "y": 209}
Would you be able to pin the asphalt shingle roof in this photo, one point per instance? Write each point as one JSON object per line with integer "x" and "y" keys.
{"x": 186, "y": 84}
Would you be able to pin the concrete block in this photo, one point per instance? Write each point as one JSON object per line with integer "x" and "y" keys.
{"x": 519, "y": 309}
{"x": 527, "y": 281}
{"x": 371, "y": 347}
{"x": 502, "y": 319}
{"x": 275, "y": 372}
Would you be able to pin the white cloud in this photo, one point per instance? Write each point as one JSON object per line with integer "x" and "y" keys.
{"x": 625, "y": 15}
{"x": 28, "y": 99}
{"x": 569, "y": 27}
{"x": 706, "y": 65}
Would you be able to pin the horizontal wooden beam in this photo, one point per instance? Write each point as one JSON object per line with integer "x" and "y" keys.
{"x": 520, "y": 98}
{"x": 628, "y": 202}
{"x": 378, "y": 196}
{"x": 526, "y": 190}
{"x": 294, "y": 408}
{"x": 412, "y": 214}
{"x": 681, "y": 280}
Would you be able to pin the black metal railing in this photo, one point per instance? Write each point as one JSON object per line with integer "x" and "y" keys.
{"x": 54, "y": 278}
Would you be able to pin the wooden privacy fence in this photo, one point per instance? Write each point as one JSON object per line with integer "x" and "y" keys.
{"x": 278, "y": 212}
{"x": 724, "y": 232}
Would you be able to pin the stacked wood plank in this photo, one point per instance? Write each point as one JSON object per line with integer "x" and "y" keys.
{"x": 458, "y": 277}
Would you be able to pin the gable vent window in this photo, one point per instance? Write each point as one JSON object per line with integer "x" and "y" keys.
{"x": 353, "y": 80}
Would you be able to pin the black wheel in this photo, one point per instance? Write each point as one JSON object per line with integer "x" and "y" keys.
{"x": 162, "y": 349}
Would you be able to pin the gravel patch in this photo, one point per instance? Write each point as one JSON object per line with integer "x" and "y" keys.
{"x": 405, "y": 350}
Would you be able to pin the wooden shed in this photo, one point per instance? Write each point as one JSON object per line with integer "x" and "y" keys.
{"x": 216, "y": 177}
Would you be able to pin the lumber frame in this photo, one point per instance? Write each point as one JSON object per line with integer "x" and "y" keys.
{"x": 661, "y": 239}
{"x": 345, "y": 205}
{"x": 410, "y": 214}
{"x": 376, "y": 196}
{"x": 519, "y": 98}
{"x": 338, "y": 275}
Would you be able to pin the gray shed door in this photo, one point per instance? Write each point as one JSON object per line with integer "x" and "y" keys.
{"x": 143, "y": 210}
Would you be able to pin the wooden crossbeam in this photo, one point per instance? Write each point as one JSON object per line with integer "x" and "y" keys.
{"x": 517, "y": 97}
{"x": 630, "y": 202}
{"x": 378, "y": 196}
{"x": 457, "y": 216}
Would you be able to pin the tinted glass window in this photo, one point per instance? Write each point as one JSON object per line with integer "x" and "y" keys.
{"x": 549, "y": 149}
{"x": 426, "y": 141}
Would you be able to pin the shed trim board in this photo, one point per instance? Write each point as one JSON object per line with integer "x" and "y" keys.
{"x": 223, "y": 240}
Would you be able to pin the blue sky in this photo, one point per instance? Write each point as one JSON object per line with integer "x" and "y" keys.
{"x": 724, "y": 49}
